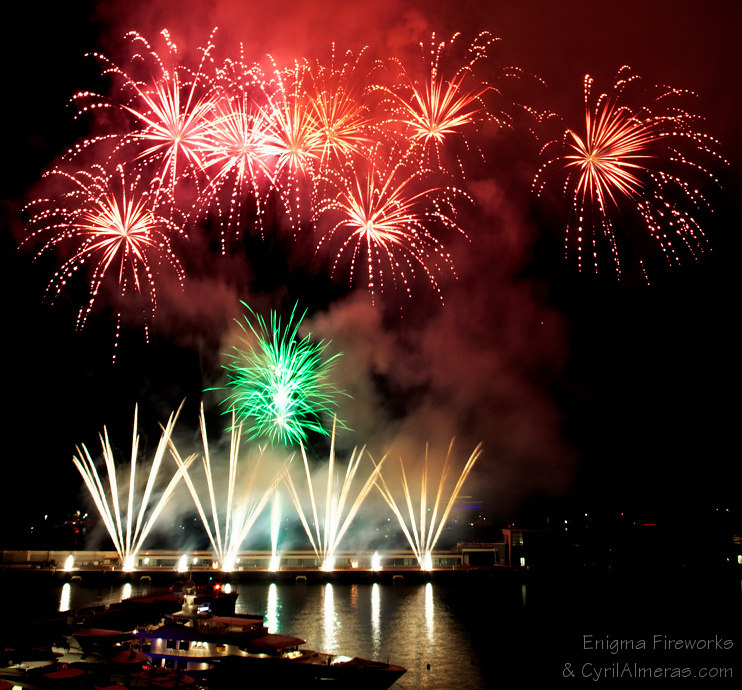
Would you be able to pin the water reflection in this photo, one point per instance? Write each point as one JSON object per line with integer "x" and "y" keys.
{"x": 429, "y": 612}
{"x": 376, "y": 617}
{"x": 64, "y": 599}
{"x": 409, "y": 624}
{"x": 271, "y": 614}
{"x": 329, "y": 619}
{"x": 126, "y": 591}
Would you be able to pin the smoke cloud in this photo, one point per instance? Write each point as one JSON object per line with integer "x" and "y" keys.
{"x": 479, "y": 368}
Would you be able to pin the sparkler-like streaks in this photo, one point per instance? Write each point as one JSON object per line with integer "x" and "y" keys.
{"x": 633, "y": 159}
{"x": 294, "y": 135}
{"x": 111, "y": 223}
{"x": 231, "y": 516}
{"x": 356, "y": 150}
{"x": 440, "y": 103}
{"x": 172, "y": 110}
{"x": 605, "y": 159}
{"x": 279, "y": 383}
{"x": 387, "y": 216}
{"x": 339, "y": 108}
{"x": 237, "y": 157}
{"x": 129, "y": 529}
{"x": 326, "y": 532}
{"x": 422, "y": 533}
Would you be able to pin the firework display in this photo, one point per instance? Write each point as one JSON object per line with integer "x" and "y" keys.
{"x": 170, "y": 110}
{"x": 365, "y": 154}
{"x": 106, "y": 221}
{"x": 229, "y": 510}
{"x": 339, "y": 511}
{"x": 637, "y": 155}
{"x": 423, "y": 531}
{"x": 279, "y": 385}
{"x": 233, "y": 515}
{"x": 372, "y": 163}
{"x": 128, "y": 525}
{"x": 219, "y": 144}
{"x": 386, "y": 218}
{"x": 435, "y": 102}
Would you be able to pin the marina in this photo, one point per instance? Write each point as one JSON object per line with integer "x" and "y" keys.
{"x": 474, "y": 630}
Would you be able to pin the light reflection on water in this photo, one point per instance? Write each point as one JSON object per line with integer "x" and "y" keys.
{"x": 472, "y": 634}
{"x": 406, "y": 624}
{"x": 65, "y": 597}
{"x": 429, "y": 612}
{"x": 330, "y": 622}
{"x": 271, "y": 612}
{"x": 376, "y": 617}
{"x": 74, "y": 595}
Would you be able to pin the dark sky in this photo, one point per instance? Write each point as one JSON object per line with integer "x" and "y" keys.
{"x": 606, "y": 393}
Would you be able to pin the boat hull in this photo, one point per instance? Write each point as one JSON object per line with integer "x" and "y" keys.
{"x": 360, "y": 674}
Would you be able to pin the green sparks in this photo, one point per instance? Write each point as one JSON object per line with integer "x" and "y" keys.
{"x": 279, "y": 382}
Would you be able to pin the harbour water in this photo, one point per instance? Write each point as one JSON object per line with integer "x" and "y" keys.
{"x": 480, "y": 632}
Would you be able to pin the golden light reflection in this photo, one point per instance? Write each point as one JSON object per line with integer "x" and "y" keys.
{"x": 330, "y": 620}
{"x": 376, "y": 617}
{"x": 429, "y": 611}
{"x": 271, "y": 618}
{"x": 64, "y": 599}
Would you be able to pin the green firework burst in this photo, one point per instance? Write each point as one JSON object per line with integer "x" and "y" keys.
{"x": 279, "y": 382}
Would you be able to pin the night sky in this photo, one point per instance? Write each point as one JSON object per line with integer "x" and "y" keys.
{"x": 585, "y": 391}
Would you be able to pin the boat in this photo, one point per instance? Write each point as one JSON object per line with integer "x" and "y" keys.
{"x": 224, "y": 650}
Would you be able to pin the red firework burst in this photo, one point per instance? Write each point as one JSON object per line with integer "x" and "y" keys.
{"x": 442, "y": 101}
{"x": 109, "y": 222}
{"x": 172, "y": 110}
{"x": 387, "y": 217}
{"x": 633, "y": 159}
{"x": 237, "y": 158}
{"x": 338, "y": 107}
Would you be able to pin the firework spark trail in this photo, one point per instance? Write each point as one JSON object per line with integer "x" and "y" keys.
{"x": 388, "y": 215}
{"x": 342, "y": 116}
{"x": 294, "y": 134}
{"x": 353, "y": 147}
{"x": 613, "y": 143}
{"x": 279, "y": 384}
{"x": 632, "y": 158}
{"x": 243, "y": 503}
{"x": 110, "y": 221}
{"x": 128, "y": 538}
{"x": 172, "y": 109}
{"x": 443, "y": 102}
{"x": 422, "y": 533}
{"x": 293, "y": 137}
{"x": 329, "y": 529}
{"x": 309, "y": 133}
{"x": 237, "y": 156}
